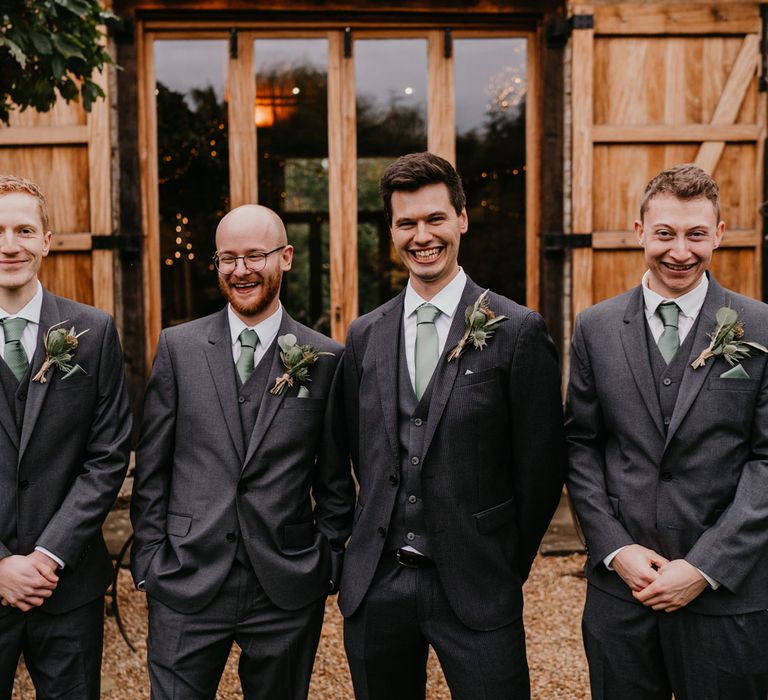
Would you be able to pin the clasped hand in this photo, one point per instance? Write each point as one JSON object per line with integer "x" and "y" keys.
{"x": 656, "y": 581}
{"x": 26, "y": 581}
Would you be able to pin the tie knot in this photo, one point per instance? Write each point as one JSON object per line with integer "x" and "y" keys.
{"x": 669, "y": 312}
{"x": 426, "y": 313}
{"x": 248, "y": 338}
{"x": 13, "y": 328}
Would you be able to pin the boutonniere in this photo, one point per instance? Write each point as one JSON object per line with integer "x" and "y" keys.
{"x": 481, "y": 325}
{"x": 297, "y": 360}
{"x": 727, "y": 340}
{"x": 60, "y": 345}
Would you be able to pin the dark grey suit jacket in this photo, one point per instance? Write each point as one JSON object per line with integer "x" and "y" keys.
{"x": 698, "y": 492}
{"x": 61, "y": 474}
{"x": 493, "y": 463}
{"x": 195, "y": 480}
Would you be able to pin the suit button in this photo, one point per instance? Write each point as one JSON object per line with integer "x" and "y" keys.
{"x": 393, "y": 479}
{"x": 242, "y": 488}
{"x": 667, "y": 381}
{"x": 410, "y": 537}
{"x": 417, "y": 422}
{"x": 24, "y": 484}
{"x": 667, "y": 421}
{"x": 667, "y": 476}
{"x": 241, "y": 399}
{"x": 415, "y": 460}
{"x": 231, "y": 537}
{"x": 382, "y": 531}
{"x": 412, "y": 499}
{"x": 22, "y": 397}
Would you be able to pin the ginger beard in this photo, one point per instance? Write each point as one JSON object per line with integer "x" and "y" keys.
{"x": 251, "y": 300}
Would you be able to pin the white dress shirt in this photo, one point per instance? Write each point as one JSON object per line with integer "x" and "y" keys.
{"x": 266, "y": 330}
{"x": 30, "y": 312}
{"x": 446, "y": 300}
{"x": 689, "y": 304}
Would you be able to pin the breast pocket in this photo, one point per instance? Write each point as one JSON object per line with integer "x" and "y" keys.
{"x": 73, "y": 383}
{"x": 721, "y": 384}
{"x": 485, "y": 375}
{"x": 294, "y": 403}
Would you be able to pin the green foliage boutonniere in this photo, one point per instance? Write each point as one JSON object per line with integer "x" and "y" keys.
{"x": 481, "y": 325}
{"x": 297, "y": 360}
{"x": 60, "y": 345}
{"x": 727, "y": 340}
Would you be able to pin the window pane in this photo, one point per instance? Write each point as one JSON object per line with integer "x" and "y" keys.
{"x": 491, "y": 88}
{"x": 193, "y": 168}
{"x": 391, "y": 87}
{"x": 291, "y": 117}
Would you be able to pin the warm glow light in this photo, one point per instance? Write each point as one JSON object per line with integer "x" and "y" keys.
{"x": 296, "y": 90}
{"x": 189, "y": 246}
{"x": 408, "y": 91}
{"x": 178, "y": 241}
{"x": 177, "y": 255}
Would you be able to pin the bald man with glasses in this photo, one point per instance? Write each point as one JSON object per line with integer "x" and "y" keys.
{"x": 243, "y": 494}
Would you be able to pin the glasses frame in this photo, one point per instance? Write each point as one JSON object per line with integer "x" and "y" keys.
{"x": 263, "y": 256}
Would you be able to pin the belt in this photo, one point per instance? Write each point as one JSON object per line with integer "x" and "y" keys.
{"x": 412, "y": 560}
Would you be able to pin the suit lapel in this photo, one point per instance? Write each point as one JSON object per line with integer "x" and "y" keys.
{"x": 221, "y": 365}
{"x": 445, "y": 372}
{"x": 49, "y": 315}
{"x": 693, "y": 379}
{"x": 385, "y": 338}
{"x": 269, "y": 403}
{"x": 635, "y": 343}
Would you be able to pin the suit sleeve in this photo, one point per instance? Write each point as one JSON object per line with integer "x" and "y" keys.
{"x": 333, "y": 487}
{"x": 154, "y": 458}
{"x": 586, "y": 435}
{"x": 729, "y": 549}
{"x": 94, "y": 490}
{"x": 537, "y": 435}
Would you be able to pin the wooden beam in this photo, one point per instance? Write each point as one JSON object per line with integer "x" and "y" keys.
{"x": 533, "y": 107}
{"x": 623, "y": 240}
{"x": 441, "y": 100}
{"x": 71, "y": 242}
{"x": 700, "y": 18}
{"x": 742, "y": 74}
{"x": 241, "y": 128}
{"x": 45, "y": 135}
{"x": 662, "y": 133}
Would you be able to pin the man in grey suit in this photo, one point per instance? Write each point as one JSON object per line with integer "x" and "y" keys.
{"x": 243, "y": 497}
{"x": 460, "y": 463}
{"x": 64, "y": 441}
{"x": 669, "y": 466}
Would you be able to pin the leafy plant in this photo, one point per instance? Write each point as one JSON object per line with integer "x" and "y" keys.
{"x": 49, "y": 47}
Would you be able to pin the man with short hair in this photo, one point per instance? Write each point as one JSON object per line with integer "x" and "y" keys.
{"x": 64, "y": 442}
{"x": 243, "y": 494}
{"x": 667, "y": 423}
{"x": 460, "y": 458}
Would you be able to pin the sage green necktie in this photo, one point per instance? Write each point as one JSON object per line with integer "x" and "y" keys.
{"x": 14, "y": 354}
{"x": 669, "y": 340}
{"x": 426, "y": 346}
{"x": 244, "y": 364}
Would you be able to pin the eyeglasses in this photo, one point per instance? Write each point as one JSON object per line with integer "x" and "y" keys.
{"x": 254, "y": 262}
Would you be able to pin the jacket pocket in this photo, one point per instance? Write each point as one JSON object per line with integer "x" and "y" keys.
{"x": 302, "y": 404}
{"x": 298, "y": 535}
{"x": 485, "y": 375}
{"x": 493, "y": 518}
{"x": 721, "y": 384}
{"x": 73, "y": 383}
{"x": 178, "y": 525}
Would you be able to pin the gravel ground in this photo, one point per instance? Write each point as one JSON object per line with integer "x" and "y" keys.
{"x": 554, "y": 598}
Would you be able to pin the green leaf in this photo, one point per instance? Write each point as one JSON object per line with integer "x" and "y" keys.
{"x": 726, "y": 316}
{"x": 15, "y": 49}
{"x": 755, "y": 345}
{"x": 65, "y": 47}
{"x": 286, "y": 342}
{"x": 41, "y": 43}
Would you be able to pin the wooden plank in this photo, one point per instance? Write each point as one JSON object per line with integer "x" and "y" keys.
{"x": 71, "y": 242}
{"x": 533, "y": 173}
{"x": 620, "y": 240}
{"x": 43, "y": 135}
{"x": 241, "y": 129}
{"x": 682, "y": 133}
{"x": 69, "y": 274}
{"x": 727, "y": 109}
{"x": 669, "y": 18}
{"x": 441, "y": 100}
{"x": 582, "y": 71}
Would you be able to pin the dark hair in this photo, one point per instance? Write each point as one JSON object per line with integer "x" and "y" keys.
{"x": 416, "y": 170}
{"x": 686, "y": 181}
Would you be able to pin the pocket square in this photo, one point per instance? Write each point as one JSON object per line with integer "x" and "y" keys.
{"x": 303, "y": 392}
{"x": 469, "y": 371}
{"x": 76, "y": 371}
{"x": 737, "y": 372}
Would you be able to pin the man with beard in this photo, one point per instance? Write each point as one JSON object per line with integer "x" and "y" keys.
{"x": 243, "y": 496}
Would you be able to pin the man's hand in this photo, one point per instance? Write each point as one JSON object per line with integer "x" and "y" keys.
{"x": 678, "y": 583}
{"x": 26, "y": 581}
{"x": 638, "y": 566}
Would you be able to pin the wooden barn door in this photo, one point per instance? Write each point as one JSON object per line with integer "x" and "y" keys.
{"x": 653, "y": 86}
{"x": 67, "y": 153}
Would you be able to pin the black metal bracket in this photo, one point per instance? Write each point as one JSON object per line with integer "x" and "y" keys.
{"x": 233, "y": 43}
{"x": 763, "y": 83}
{"x": 582, "y": 22}
{"x": 126, "y": 244}
{"x": 347, "y": 42}
{"x": 559, "y": 242}
{"x": 447, "y": 43}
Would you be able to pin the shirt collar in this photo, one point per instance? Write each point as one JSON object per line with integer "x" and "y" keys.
{"x": 690, "y": 303}
{"x": 266, "y": 329}
{"x": 447, "y": 299}
{"x": 31, "y": 310}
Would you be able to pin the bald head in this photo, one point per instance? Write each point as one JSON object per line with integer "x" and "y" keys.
{"x": 252, "y": 221}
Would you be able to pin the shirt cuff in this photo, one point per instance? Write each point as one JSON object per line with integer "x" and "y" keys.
{"x": 51, "y": 555}
{"x": 607, "y": 561}
{"x": 714, "y": 585}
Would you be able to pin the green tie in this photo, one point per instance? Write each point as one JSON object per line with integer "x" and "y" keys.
{"x": 426, "y": 346}
{"x": 14, "y": 354}
{"x": 669, "y": 340}
{"x": 244, "y": 364}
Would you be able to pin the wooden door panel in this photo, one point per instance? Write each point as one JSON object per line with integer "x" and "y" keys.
{"x": 70, "y": 275}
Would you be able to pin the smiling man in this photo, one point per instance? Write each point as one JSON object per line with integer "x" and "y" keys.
{"x": 64, "y": 441}
{"x": 242, "y": 498}
{"x": 460, "y": 462}
{"x": 669, "y": 467}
